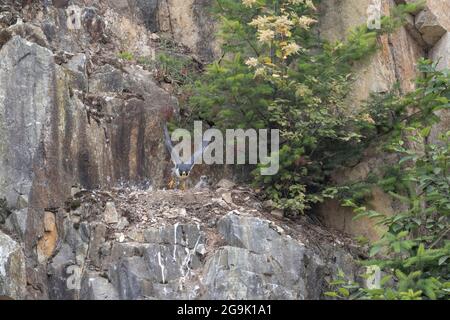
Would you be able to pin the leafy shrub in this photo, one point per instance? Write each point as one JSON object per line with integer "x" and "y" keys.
{"x": 176, "y": 69}
{"x": 276, "y": 74}
{"x": 414, "y": 251}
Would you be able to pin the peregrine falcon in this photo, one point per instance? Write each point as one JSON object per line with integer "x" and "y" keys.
{"x": 181, "y": 170}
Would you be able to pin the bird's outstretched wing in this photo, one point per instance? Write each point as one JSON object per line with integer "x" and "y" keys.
{"x": 168, "y": 142}
{"x": 199, "y": 152}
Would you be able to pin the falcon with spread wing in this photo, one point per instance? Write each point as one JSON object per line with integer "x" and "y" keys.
{"x": 181, "y": 170}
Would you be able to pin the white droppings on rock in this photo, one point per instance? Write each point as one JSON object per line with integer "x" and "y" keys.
{"x": 201, "y": 249}
{"x": 120, "y": 237}
{"x": 175, "y": 228}
{"x": 161, "y": 265}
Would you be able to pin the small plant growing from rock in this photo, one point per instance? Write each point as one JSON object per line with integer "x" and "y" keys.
{"x": 126, "y": 55}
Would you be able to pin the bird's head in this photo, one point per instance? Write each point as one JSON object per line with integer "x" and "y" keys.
{"x": 183, "y": 170}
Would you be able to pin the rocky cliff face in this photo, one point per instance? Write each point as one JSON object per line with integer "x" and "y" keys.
{"x": 79, "y": 125}
{"x": 72, "y": 113}
{"x": 134, "y": 244}
{"x": 426, "y": 35}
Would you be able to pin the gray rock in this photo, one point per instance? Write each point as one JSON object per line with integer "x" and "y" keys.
{"x": 236, "y": 274}
{"x": 22, "y": 202}
{"x": 167, "y": 262}
{"x": 96, "y": 242}
{"x": 160, "y": 268}
{"x": 77, "y": 236}
{"x": 64, "y": 269}
{"x": 74, "y": 191}
{"x": 95, "y": 287}
{"x": 126, "y": 250}
{"x": 131, "y": 277}
{"x": 22, "y": 115}
{"x": 149, "y": 12}
{"x": 247, "y": 232}
{"x": 111, "y": 215}
{"x": 60, "y": 269}
{"x": 12, "y": 269}
{"x": 17, "y": 222}
{"x": 76, "y": 67}
{"x": 201, "y": 249}
{"x": 429, "y": 26}
{"x": 293, "y": 265}
{"x": 277, "y": 213}
{"x": 60, "y": 3}
{"x": 29, "y": 32}
{"x": 123, "y": 223}
{"x": 94, "y": 25}
{"x": 268, "y": 205}
{"x": 256, "y": 263}
{"x": 187, "y": 235}
{"x": 227, "y": 198}
{"x": 107, "y": 79}
{"x": 225, "y": 184}
{"x": 441, "y": 53}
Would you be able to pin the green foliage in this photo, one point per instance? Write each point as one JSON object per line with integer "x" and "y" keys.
{"x": 171, "y": 68}
{"x": 303, "y": 94}
{"x": 415, "y": 248}
{"x": 393, "y": 113}
{"x": 266, "y": 80}
{"x": 126, "y": 55}
{"x": 175, "y": 68}
{"x": 229, "y": 97}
